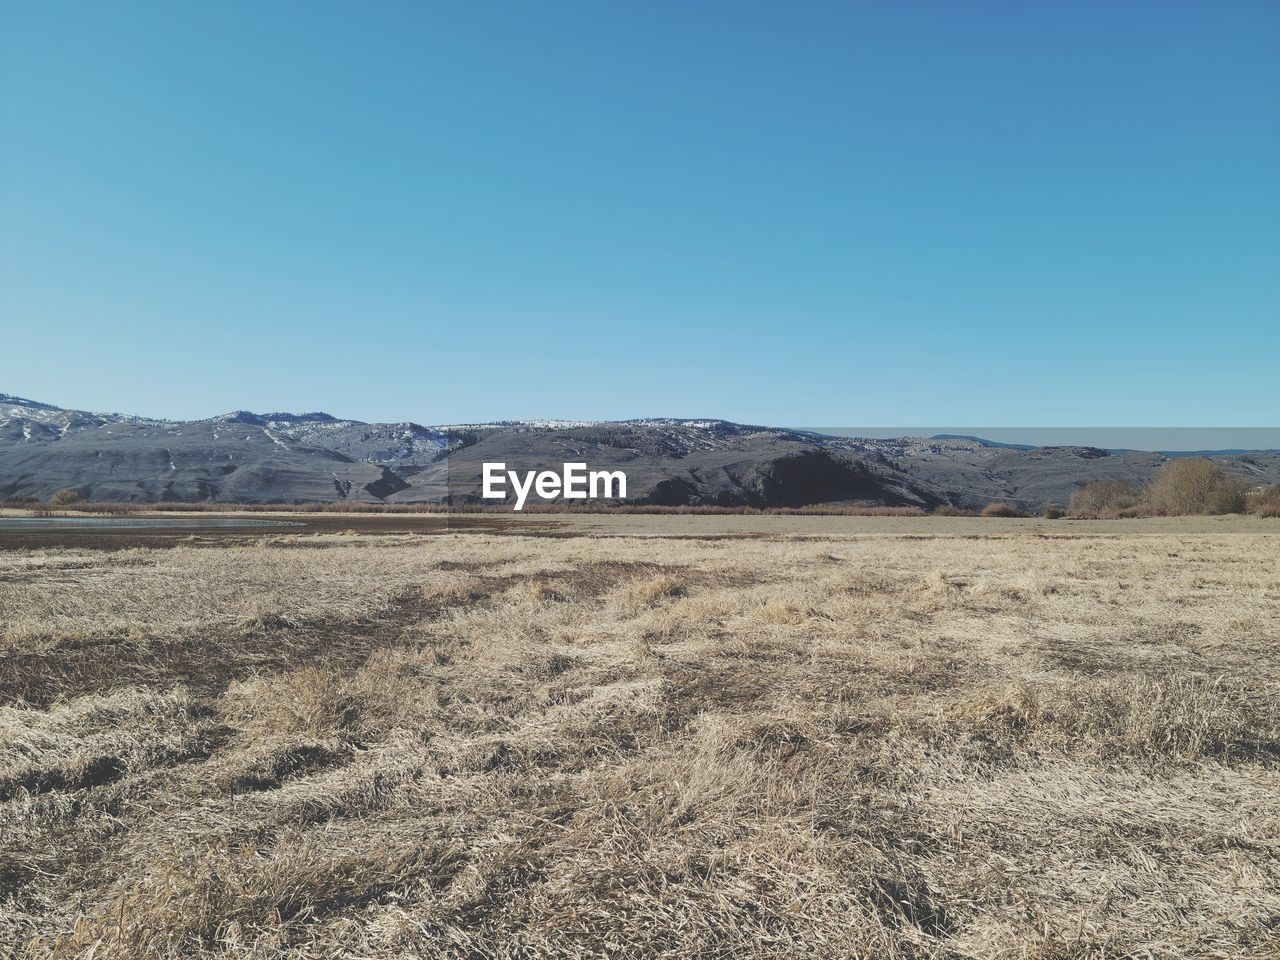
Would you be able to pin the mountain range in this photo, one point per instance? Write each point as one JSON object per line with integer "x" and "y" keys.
{"x": 244, "y": 457}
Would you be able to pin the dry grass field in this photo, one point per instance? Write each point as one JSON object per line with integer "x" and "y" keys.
{"x": 690, "y": 737}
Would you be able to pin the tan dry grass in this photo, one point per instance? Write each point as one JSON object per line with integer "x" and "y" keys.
{"x": 950, "y": 745}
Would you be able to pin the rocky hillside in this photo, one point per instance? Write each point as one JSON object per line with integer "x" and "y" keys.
{"x": 245, "y": 457}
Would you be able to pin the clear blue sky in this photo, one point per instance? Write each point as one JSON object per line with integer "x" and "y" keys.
{"x": 807, "y": 213}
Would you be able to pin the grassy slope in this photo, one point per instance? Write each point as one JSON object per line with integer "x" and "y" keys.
{"x": 904, "y": 745}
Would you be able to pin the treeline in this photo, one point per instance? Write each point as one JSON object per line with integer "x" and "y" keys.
{"x": 1194, "y": 486}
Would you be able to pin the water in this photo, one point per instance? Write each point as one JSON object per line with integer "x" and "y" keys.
{"x": 139, "y": 523}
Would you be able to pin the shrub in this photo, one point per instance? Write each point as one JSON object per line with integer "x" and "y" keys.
{"x": 1001, "y": 510}
{"x": 1105, "y": 498}
{"x": 947, "y": 510}
{"x": 1264, "y": 502}
{"x": 1195, "y": 485}
{"x": 1052, "y": 511}
{"x": 1142, "y": 509}
{"x": 1228, "y": 497}
{"x": 63, "y": 497}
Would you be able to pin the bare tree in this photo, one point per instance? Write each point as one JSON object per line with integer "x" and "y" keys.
{"x": 1195, "y": 485}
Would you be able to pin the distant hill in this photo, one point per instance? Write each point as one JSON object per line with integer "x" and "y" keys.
{"x": 983, "y": 442}
{"x": 1168, "y": 453}
{"x": 243, "y": 457}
